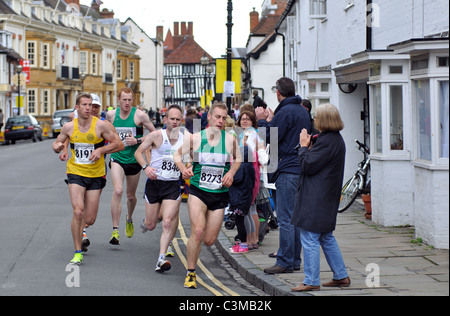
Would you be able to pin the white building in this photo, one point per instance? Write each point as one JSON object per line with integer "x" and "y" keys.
{"x": 151, "y": 51}
{"x": 385, "y": 64}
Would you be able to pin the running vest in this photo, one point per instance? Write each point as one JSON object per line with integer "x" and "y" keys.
{"x": 210, "y": 165}
{"x": 162, "y": 158}
{"x": 82, "y": 145}
{"x": 124, "y": 128}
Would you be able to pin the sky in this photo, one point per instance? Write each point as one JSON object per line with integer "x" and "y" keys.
{"x": 209, "y": 17}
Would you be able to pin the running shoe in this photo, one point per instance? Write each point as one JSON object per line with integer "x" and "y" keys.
{"x": 129, "y": 230}
{"x": 77, "y": 259}
{"x": 163, "y": 265}
{"x": 239, "y": 248}
{"x": 143, "y": 227}
{"x": 85, "y": 243}
{"x": 190, "y": 281}
{"x": 169, "y": 252}
{"x": 114, "y": 238}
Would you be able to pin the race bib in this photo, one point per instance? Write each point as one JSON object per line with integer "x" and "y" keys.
{"x": 124, "y": 132}
{"x": 211, "y": 178}
{"x": 169, "y": 171}
{"x": 82, "y": 153}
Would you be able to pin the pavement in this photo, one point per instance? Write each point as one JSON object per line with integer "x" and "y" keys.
{"x": 381, "y": 261}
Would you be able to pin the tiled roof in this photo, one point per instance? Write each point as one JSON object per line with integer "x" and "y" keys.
{"x": 266, "y": 25}
{"x": 188, "y": 52}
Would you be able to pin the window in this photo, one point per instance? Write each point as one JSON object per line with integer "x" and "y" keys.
{"x": 189, "y": 69}
{"x": 396, "y": 114}
{"x": 132, "y": 70}
{"x": 188, "y": 85}
{"x": 31, "y": 53}
{"x": 83, "y": 62}
{"x": 31, "y": 98}
{"x": 94, "y": 63}
{"x": 422, "y": 105}
{"x": 46, "y": 101}
{"x": 45, "y": 56}
{"x": 317, "y": 9}
{"x": 119, "y": 68}
{"x": 378, "y": 118}
{"x": 444, "y": 118}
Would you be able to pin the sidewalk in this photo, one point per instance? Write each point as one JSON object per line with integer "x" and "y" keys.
{"x": 406, "y": 268}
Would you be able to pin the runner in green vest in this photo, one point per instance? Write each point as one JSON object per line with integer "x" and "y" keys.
{"x": 129, "y": 123}
{"x": 211, "y": 175}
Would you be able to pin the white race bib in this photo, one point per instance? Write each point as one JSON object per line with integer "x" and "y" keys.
{"x": 125, "y": 132}
{"x": 82, "y": 153}
{"x": 169, "y": 171}
{"x": 211, "y": 178}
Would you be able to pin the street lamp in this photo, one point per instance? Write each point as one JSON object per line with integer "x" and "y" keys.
{"x": 205, "y": 62}
{"x": 19, "y": 70}
{"x": 82, "y": 78}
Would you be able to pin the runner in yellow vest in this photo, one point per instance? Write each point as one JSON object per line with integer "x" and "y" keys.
{"x": 86, "y": 167}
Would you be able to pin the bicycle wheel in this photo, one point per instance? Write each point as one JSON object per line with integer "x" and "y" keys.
{"x": 349, "y": 193}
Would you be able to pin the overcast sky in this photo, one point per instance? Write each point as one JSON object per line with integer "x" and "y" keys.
{"x": 209, "y": 17}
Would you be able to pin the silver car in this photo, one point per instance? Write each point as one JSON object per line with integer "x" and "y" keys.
{"x": 56, "y": 121}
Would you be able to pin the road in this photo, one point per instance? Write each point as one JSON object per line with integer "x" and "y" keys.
{"x": 36, "y": 243}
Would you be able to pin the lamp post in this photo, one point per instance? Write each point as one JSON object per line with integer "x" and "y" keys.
{"x": 205, "y": 62}
{"x": 229, "y": 27}
{"x": 19, "y": 70}
{"x": 82, "y": 78}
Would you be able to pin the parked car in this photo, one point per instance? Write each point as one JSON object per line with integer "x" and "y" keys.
{"x": 22, "y": 127}
{"x": 56, "y": 122}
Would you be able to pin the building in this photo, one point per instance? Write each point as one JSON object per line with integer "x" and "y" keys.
{"x": 186, "y": 78}
{"x": 389, "y": 75}
{"x": 151, "y": 52}
{"x": 265, "y": 52}
{"x": 69, "y": 48}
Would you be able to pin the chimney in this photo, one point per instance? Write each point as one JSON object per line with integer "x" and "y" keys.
{"x": 176, "y": 29}
{"x": 106, "y": 14}
{"x": 160, "y": 33}
{"x": 190, "y": 30}
{"x": 254, "y": 20}
{"x": 183, "y": 29}
{"x": 77, "y": 2}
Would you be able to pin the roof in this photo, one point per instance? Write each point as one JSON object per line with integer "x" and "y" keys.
{"x": 188, "y": 52}
{"x": 266, "y": 25}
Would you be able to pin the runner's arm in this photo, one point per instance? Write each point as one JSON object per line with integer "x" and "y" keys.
{"x": 237, "y": 160}
{"x": 186, "y": 148}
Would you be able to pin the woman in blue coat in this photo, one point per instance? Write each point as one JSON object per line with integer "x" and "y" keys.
{"x": 317, "y": 198}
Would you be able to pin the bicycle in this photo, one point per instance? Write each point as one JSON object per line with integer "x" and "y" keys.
{"x": 359, "y": 183}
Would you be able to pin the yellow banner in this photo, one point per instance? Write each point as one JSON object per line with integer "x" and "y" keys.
{"x": 19, "y": 102}
{"x": 221, "y": 74}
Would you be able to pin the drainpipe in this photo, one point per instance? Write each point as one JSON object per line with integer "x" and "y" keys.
{"x": 284, "y": 51}
{"x": 368, "y": 27}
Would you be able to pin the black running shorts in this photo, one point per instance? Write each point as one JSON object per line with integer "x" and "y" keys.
{"x": 213, "y": 201}
{"x": 91, "y": 184}
{"x": 157, "y": 190}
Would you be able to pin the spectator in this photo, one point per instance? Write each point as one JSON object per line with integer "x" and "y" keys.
{"x": 257, "y": 101}
{"x": 317, "y": 198}
{"x": 290, "y": 119}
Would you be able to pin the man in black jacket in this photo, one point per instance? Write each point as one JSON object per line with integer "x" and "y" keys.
{"x": 289, "y": 118}
{"x": 257, "y": 101}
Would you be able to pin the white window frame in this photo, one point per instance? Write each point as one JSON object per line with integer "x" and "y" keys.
{"x": 45, "y": 56}
{"x": 318, "y": 9}
{"x": 132, "y": 70}
{"x": 94, "y": 64}
{"x": 31, "y": 56}
{"x": 119, "y": 68}
{"x": 32, "y": 101}
{"x": 46, "y": 101}
{"x": 84, "y": 62}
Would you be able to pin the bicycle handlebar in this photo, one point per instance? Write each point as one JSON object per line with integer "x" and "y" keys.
{"x": 361, "y": 145}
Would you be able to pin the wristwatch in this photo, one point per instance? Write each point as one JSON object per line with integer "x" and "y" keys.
{"x": 144, "y": 166}
{"x": 139, "y": 141}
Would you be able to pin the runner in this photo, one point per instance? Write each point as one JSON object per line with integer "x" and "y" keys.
{"x": 162, "y": 191}
{"x": 86, "y": 167}
{"x": 211, "y": 176}
{"x": 129, "y": 123}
